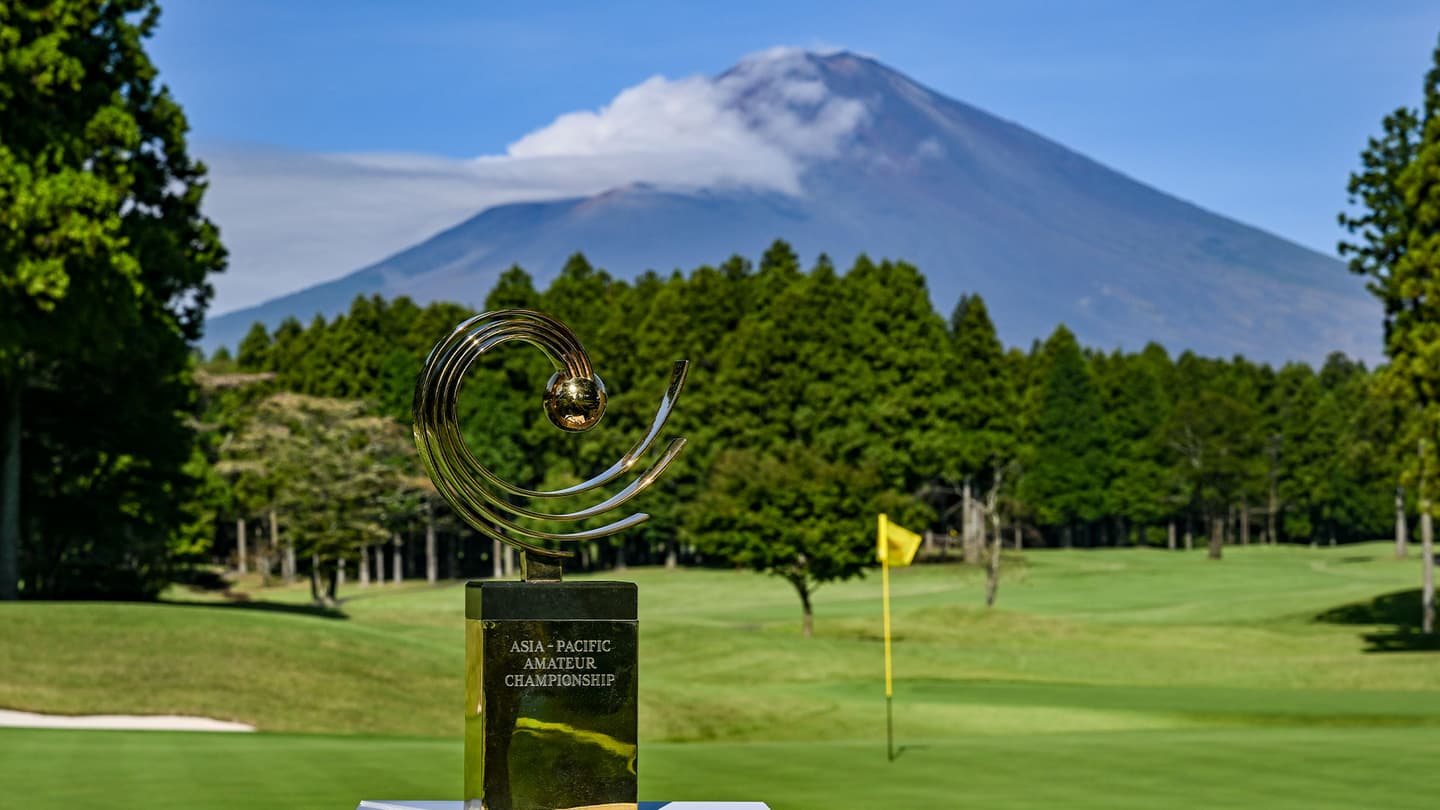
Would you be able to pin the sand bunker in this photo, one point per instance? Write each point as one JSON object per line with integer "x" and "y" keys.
{"x": 120, "y": 722}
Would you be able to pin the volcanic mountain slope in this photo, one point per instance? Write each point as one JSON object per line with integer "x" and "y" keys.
{"x": 980, "y": 204}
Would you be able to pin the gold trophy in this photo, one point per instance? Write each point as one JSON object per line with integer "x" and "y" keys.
{"x": 551, "y": 667}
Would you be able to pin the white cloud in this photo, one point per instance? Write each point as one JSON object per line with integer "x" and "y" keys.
{"x": 292, "y": 219}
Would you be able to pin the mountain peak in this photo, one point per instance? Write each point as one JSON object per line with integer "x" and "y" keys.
{"x": 836, "y": 152}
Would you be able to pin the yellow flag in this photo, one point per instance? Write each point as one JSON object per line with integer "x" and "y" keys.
{"x": 896, "y": 545}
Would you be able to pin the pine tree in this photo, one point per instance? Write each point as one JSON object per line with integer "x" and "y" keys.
{"x": 1065, "y": 479}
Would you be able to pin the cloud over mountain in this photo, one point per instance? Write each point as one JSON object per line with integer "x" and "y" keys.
{"x": 294, "y": 218}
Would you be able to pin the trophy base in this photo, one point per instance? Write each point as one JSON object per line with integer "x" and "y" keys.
{"x": 551, "y": 679}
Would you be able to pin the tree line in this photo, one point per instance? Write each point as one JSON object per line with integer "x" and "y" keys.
{"x": 816, "y": 399}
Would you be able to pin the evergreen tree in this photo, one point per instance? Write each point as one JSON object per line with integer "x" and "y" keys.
{"x": 1064, "y": 483}
{"x": 1400, "y": 251}
{"x": 104, "y": 265}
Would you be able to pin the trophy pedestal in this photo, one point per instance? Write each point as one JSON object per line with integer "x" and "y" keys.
{"x": 551, "y": 677}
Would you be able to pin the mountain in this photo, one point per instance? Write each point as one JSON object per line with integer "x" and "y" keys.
{"x": 980, "y": 204}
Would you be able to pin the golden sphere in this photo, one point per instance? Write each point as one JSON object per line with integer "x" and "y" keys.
{"x": 574, "y": 403}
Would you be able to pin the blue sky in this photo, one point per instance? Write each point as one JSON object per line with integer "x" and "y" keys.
{"x": 1255, "y": 110}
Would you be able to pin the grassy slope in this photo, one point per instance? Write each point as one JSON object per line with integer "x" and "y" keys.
{"x": 1115, "y": 675}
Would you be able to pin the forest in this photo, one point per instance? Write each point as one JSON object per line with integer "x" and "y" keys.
{"x": 816, "y": 399}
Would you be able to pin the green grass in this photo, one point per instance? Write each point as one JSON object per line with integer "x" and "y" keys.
{"x": 1118, "y": 678}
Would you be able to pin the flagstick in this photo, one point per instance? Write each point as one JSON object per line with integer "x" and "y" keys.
{"x": 889, "y": 691}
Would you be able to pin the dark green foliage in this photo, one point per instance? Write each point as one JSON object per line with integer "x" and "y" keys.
{"x": 1067, "y": 472}
{"x": 104, "y": 265}
{"x": 817, "y": 399}
{"x": 979, "y": 401}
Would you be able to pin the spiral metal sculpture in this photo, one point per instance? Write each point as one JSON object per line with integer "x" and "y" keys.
{"x": 574, "y": 400}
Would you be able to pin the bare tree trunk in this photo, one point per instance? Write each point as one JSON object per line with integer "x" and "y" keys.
{"x": 992, "y": 569}
{"x": 1066, "y": 540}
{"x": 512, "y": 561}
{"x": 288, "y": 568}
{"x": 432, "y": 562}
{"x": 965, "y": 516}
{"x": 620, "y": 564}
{"x": 339, "y": 575}
{"x": 1189, "y": 537}
{"x": 672, "y": 556}
{"x": 1019, "y": 538}
{"x": 10, "y": 494}
{"x": 272, "y": 549}
{"x": 1245, "y": 524}
{"x": 380, "y": 565}
{"x": 241, "y": 563}
{"x": 1170, "y": 535}
{"x": 1402, "y": 541}
{"x": 497, "y": 559}
{"x": 1217, "y": 537}
{"x": 267, "y": 556}
{"x": 397, "y": 562}
{"x": 332, "y": 589}
{"x": 364, "y": 566}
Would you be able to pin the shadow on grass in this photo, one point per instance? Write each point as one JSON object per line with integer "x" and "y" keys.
{"x": 1400, "y": 610}
{"x": 295, "y": 608}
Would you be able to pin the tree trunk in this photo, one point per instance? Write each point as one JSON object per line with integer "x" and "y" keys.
{"x": 10, "y": 495}
{"x": 1170, "y": 535}
{"x": 1402, "y": 541}
{"x": 271, "y": 550}
{"x": 1270, "y": 536}
{"x": 992, "y": 569}
{"x": 1189, "y": 537}
{"x": 1065, "y": 537}
{"x": 432, "y": 562}
{"x": 1245, "y": 524}
{"x": 965, "y": 513}
{"x": 807, "y": 622}
{"x": 1217, "y": 537}
{"x": 241, "y": 563}
{"x": 512, "y": 562}
{"x": 364, "y": 566}
{"x": 969, "y": 523}
{"x": 1427, "y": 587}
{"x": 497, "y": 559}
{"x": 620, "y": 564}
{"x": 1019, "y": 538}
{"x": 672, "y": 554}
{"x": 380, "y": 565}
{"x": 339, "y": 574}
{"x": 332, "y": 589}
{"x": 267, "y": 559}
{"x": 316, "y": 592}
{"x": 397, "y": 562}
{"x": 291, "y": 569}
